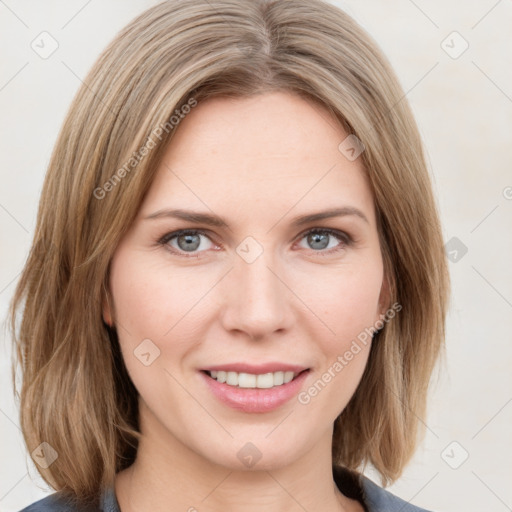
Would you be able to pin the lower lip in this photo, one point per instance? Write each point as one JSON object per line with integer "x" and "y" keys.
{"x": 255, "y": 400}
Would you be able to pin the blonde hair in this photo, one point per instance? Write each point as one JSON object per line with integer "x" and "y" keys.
{"x": 76, "y": 394}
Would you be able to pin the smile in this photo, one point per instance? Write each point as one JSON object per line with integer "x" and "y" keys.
{"x": 254, "y": 389}
{"x": 251, "y": 380}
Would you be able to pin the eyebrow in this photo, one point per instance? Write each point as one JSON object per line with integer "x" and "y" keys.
{"x": 216, "y": 221}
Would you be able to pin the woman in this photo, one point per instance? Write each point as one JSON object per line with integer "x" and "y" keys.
{"x": 237, "y": 289}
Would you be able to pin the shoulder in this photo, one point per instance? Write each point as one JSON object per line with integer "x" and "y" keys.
{"x": 375, "y": 498}
{"x": 53, "y": 503}
{"x": 58, "y": 503}
{"x": 378, "y": 499}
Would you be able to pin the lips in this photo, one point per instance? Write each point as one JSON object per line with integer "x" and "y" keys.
{"x": 257, "y": 368}
{"x": 254, "y": 388}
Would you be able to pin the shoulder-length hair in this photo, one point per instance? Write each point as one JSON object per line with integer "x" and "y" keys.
{"x": 76, "y": 394}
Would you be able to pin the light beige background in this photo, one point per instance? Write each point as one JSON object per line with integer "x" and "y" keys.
{"x": 463, "y": 106}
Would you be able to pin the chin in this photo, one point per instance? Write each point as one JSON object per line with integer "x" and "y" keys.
{"x": 257, "y": 453}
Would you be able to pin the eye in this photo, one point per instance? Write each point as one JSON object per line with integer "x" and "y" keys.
{"x": 320, "y": 239}
{"x": 186, "y": 241}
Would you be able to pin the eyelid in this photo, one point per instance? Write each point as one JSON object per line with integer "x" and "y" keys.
{"x": 345, "y": 240}
{"x": 167, "y": 237}
{"x": 343, "y": 235}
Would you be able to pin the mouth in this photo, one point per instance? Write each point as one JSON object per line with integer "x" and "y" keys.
{"x": 254, "y": 389}
{"x": 246, "y": 380}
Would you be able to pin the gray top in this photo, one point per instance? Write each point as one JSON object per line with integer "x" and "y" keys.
{"x": 354, "y": 485}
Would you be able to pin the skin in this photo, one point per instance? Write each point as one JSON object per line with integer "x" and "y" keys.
{"x": 258, "y": 163}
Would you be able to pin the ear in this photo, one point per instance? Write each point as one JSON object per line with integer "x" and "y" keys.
{"x": 385, "y": 296}
{"x": 107, "y": 309}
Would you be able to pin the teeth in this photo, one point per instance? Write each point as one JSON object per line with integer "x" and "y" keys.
{"x": 288, "y": 376}
{"x": 246, "y": 380}
{"x": 278, "y": 378}
{"x": 249, "y": 380}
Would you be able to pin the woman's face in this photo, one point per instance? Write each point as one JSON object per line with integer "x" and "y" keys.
{"x": 253, "y": 291}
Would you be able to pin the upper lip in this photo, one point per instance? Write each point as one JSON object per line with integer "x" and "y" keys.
{"x": 257, "y": 369}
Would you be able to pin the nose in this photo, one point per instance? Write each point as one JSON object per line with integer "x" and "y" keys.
{"x": 256, "y": 300}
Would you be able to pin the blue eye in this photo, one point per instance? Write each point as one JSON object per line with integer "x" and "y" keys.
{"x": 320, "y": 239}
{"x": 187, "y": 242}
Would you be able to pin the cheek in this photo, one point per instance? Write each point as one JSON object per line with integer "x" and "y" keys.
{"x": 154, "y": 302}
{"x": 150, "y": 308}
{"x": 347, "y": 301}
{"x": 151, "y": 299}
{"x": 349, "y": 304}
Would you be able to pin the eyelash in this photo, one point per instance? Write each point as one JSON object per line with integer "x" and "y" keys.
{"x": 345, "y": 239}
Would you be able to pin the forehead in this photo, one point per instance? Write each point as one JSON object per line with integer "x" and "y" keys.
{"x": 267, "y": 153}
